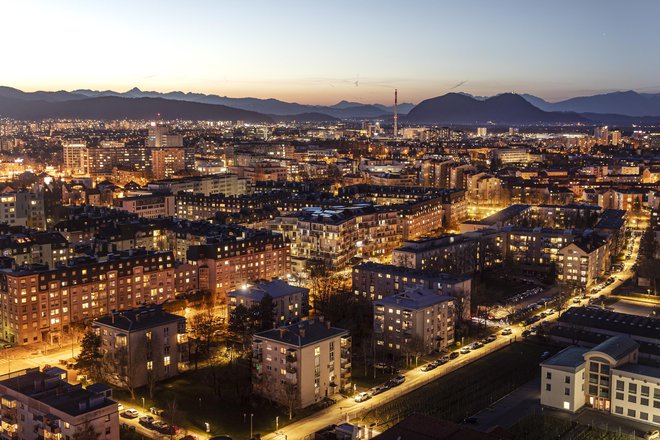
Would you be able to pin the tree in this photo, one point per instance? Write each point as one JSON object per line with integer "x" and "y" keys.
{"x": 152, "y": 380}
{"x": 240, "y": 324}
{"x": 118, "y": 371}
{"x": 90, "y": 359}
{"x": 291, "y": 395}
{"x": 264, "y": 313}
{"x": 204, "y": 327}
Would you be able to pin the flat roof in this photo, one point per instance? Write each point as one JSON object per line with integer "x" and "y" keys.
{"x": 571, "y": 357}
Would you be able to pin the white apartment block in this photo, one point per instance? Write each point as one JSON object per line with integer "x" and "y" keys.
{"x": 301, "y": 364}
{"x": 416, "y": 316}
{"x": 606, "y": 377}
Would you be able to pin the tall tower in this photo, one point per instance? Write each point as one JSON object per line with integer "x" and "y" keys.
{"x": 396, "y": 116}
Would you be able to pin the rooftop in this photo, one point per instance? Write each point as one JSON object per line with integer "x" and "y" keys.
{"x": 275, "y": 288}
{"x": 571, "y": 357}
{"x": 303, "y": 333}
{"x": 414, "y": 299}
{"x": 139, "y": 318}
{"x": 617, "y": 346}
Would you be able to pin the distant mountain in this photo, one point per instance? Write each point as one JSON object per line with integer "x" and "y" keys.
{"x": 507, "y": 108}
{"x": 304, "y": 117}
{"x": 112, "y": 107}
{"x": 343, "y": 109}
{"x": 60, "y": 96}
{"x": 629, "y": 103}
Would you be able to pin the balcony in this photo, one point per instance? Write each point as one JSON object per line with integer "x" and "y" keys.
{"x": 291, "y": 358}
{"x": 291, "y": 377}
{"x": 291, "y": 369}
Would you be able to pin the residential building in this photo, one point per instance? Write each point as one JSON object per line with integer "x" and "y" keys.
{"x": 291, "y": 303}
{"x": 415, "y": 321}
{"x": 38, "y": 304}
{"x": 148, "y": 206}
{"x": 376, "y": 281}
{"x": 301, "y": 364}
{"x": 142, "y": 346}
{"x": 43, "y": 405}
{"x": 226, "y": 263}
{"x": 167, "y": 162}
{"x": 583, "y": 261}
{"x": 76, "y": 158}
{"x": 227, "y": 184}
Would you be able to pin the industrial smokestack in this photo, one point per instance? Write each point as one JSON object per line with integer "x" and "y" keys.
{"x": 396, "y": 116}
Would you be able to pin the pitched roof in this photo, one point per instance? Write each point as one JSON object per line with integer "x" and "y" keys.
{"x": 617, "y": 347}
{"x": 303, "y": 333}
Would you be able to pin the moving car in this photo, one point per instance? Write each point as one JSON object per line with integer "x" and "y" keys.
{"x": 361, "y": 397}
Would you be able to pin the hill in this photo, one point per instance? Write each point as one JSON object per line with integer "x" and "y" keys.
{"x": 507, "y": 108}
{"x": 112, "y": 107}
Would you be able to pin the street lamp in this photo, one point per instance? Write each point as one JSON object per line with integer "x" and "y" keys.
{"x": 277, "y": 423}
{"x": 143, "y": 407}
{"x": 251, "y": 416}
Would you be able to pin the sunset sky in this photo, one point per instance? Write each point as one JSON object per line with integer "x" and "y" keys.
{"x": 322, "y": 52}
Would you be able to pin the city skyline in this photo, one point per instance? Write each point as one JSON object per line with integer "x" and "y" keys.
{"x": 321, "y": 55}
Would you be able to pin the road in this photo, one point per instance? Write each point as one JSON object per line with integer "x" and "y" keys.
{"x": 348, "y": 410}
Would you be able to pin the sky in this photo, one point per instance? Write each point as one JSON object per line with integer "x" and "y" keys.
{"x": 321, "y": 52}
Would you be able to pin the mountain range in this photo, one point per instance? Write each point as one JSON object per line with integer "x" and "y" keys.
{"x": 453, "y": 108}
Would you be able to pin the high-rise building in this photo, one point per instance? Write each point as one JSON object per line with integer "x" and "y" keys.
{"x": 103, "y": 158}
{"x": 616, "y": 137}
{"x": 166, "y": 162}
{"x": 76, "y": 158}
{"x": 602, "y": 134}
{"x": 482, "y": 131}
{"x": 160, "y": 136}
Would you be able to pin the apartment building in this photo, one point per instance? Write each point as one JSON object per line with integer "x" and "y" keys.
{"x": 583, "y": 261}
{"x": 607, "y": 377}
{"x": 148, "y": 206}
{"x": 456, "y": 254}
{"x": 226, "y": 263}
{"x": 38, "y": 304}
{"x": 167, "y": 162}
{"x": 23, "y": 208}
{"x": 291, "y": 303}
{"x": 338, "y": 235}
{"x": 420, "y": 218}
{"x": 42, "y": 405}
{"x": 417, "y": 320}
{"x": 142, "y": 345}
{"x": 376, "y": 281}
{"x": 104, "y": 157}
{"x": 76, "y": 158}
{"x": 301, "y": 364}
{"x": 227, "y": 184}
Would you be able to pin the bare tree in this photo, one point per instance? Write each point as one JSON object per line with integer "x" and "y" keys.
{"x": 292, "y": 397}
{"x": 118, "y": 370}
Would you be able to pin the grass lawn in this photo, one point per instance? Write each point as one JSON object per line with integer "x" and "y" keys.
{"x": 544, "y": 427}
{"x": 468, "y": 389}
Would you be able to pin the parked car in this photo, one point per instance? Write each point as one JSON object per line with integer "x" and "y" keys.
{"x": 130, "y": 414}
{"x": 652, "y": 435}
{"x": 506, "y": 332}
{"x": 430, "y": 366}
{"x": 146, "y": 421}
{"x": 453, "y": 355}
{"x": 445, "y": 358}
{"x": 398, "y": 380}
{"x": 465, "y": 350}
{"x": 361, "y": 397}
{"x": 379, "y": 389}
{"x": 526, "y": 333}
{"x": 470, "y": 421}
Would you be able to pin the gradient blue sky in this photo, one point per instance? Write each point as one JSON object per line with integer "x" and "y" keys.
{"x": 314, "y": 52}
